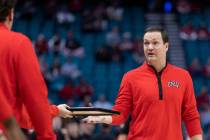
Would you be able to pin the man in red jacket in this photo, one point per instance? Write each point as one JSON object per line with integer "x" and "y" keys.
{"x": 8, "y": 121}
{"x": 21, "y": 80}
{"x": 158, "y": 96}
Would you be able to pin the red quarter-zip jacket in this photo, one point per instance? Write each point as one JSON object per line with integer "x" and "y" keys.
{"x": 158, "y": 102}
{"x": 22, "y": 84}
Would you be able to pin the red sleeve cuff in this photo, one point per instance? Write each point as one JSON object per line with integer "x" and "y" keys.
{"x": 54, "y": 110}
{"x": 118, "y": 119}
{"x": 193, "y": 127}
{"x": 114, "y": 120}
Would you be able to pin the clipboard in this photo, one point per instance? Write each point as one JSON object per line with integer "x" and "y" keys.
{"x": 92, "y": 111}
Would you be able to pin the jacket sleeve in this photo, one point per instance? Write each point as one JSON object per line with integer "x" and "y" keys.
{"x": 32, "y": 89}
{"x": 5, "y": 110}
{"x": 54, "y": 110}
{"x": 190, "y": 113}
{"x": 123, "y": 102}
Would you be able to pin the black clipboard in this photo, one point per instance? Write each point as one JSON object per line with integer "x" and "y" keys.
{"x": 92, "y": 111}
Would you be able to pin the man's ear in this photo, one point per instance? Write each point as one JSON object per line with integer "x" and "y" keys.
{"x": 11, "y": 15}
{"x": 167, "y": 45}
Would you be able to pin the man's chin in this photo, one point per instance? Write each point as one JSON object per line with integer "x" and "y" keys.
{"x": 151, "y": 58}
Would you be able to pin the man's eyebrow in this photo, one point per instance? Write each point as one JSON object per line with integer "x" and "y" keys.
{"x": 151, "y": 40}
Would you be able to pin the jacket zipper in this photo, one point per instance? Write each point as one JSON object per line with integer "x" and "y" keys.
{"x": 158, "y": 76}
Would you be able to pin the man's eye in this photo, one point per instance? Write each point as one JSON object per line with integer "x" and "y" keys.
{"x": 146, "y": 43}
{"x": 155, "y": 43}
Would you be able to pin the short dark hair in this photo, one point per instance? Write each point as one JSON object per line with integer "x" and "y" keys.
{"x": 158, "y": 29}
{"x": 5, "y": 8}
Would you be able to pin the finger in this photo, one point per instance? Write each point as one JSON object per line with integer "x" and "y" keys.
{"x": 69, "y": 116}
{"x": 90, "y": 120}
{"x": 66, "y": 106}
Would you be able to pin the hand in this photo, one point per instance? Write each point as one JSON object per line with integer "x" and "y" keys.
{"x": 197, "y": 137}
{"x": 122, "y": 137}
{"x": 63, "y": 111}
{"x": 98, "y": 119}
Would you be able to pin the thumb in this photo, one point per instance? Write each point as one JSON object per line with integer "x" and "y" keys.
{"x": 66, "y": 106}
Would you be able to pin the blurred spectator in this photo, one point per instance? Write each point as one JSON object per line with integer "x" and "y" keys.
{"x": 203, "y": 103}
{"x": 207, "y": 68}
{"x": 54, "y": 72}
{"x": 103, "y": 54}
{"x": 94, "y": 20}
{"x": 104, "y": 134}
{"x": 71, "y": 130}
{"x": 126, "y": 44}
{"x": 203, "y": 33}
{"x": 188, "y": 32}
{"x": 195, "y": 68}
{"x": 83, "y": 89}
{"x": 115, "y": 11}
{"x": 64, "y": 16}
{"x": 41, "y": 45}
{"x": 100, "y": 17}
{"x": 73, "y": 47}
{"x": 86, "y": 101}
{"x": 203, "y": 100}
{"x": 113, "y": 43}
{"x": 138, "y": 53}
{"x": 86, "y": 131}
{"x": 205, "y": 117}
{"x": 43, "y": 64}
{"x": 57, "y": 127}
{"x": 207, "y": 137}
{"x": 70, "y": 70}
{"x": 56, "y": 44}
{"x": 113, "y": 37}
{"x": 102, "y": 102}
{"x": 117, "y": 54}
{"x": 67, "y": 91}
{"x": 87, "y": 23}
{"x": 183, "y": 6}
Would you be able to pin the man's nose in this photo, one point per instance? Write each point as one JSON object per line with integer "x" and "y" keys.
{"x": 150, "y": 47}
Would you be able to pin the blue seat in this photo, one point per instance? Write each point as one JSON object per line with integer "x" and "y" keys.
{"x": 48, "y": 29}
{"x": 126, "y": 21}
{"x": 204, "y": 49}
{"x": 34, "y": 28}
{"x": 22, "y": 26}
{"x": 113, "y": 92}
{"x": 198, "y": 83}
{"x": 191, "y": 50}
{"x": 184, "y": 18}
{"x": 208, "y": 84}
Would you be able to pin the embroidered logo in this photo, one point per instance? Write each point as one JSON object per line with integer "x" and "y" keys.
{"x": 173, "y": 84}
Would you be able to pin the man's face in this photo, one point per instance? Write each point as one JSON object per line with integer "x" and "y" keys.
{"x": 154, "y": 47}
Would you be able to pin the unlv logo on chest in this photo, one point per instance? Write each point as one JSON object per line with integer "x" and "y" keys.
{"x": 173, "y": 84}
